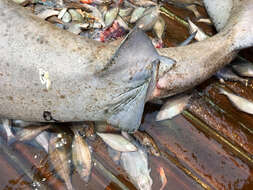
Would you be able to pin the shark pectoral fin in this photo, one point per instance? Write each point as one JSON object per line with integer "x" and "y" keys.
{"x": 127, "y": 113}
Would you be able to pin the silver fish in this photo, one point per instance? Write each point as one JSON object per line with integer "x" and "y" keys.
{"x": 242, "y": 67}
{"x": 173, "y": 106}
{"x": 30, "y": 132}
{"x": 159, "y": 27}
{"x": 200, "y": 35}
{"x": 7, "y": 127}
{"x": 149, "y": 18}
{"x": 81, "y": 156}
{"x": 59, "y": 154}
{"x": 110, "y": 16}
{"x": 136, "y": 14}
{"x": 117, "y": 142}
{"x": 227, "y": 74}
{"x": 125, "y": 11}
{"x": 239, "y": 102}
{"x": 136, "y": 166}
{"x": 43, "y": 140}
{"x": 143, "y": 3}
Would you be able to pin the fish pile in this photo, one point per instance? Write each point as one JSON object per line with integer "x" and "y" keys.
{"x": 101, "y": 20}
{"x": 72, "y": 150}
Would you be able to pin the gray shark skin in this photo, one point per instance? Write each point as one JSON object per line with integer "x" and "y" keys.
{"x": 51, "y": 75}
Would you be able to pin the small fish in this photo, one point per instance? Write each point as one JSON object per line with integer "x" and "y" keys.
{"x": 62, "y": 13}
{"x": 48, "y": 13}
{"x": 43, "y": 140}
{"x": 162, "y": 178}
{"x": 149, "y": 18}
{"x": 75, "y": 15}
{"x": 30, "y": 132}
{"x": 242, "y": 67}
{"x": 194, "y": 9}
{"x": 7, "y": 127}
{"x": 159, "y": 27}
{"x": 81, "y": 156}
{"x": 193, "y": 28}
{"x": 146, "y": 140}
{"x": 117, "y": 142}
{"x": 227, "y": 74}
{"x": 173, "y": 107}
{"x": 136, "y": 166}
{"x": 239, "y": 102}
{"x": 110, "y": 16}
{"x": 125, "y": 11}
{"x": 205, "y": 20}
{"x": 59, "y": 154}
{"x": 136, "y": 14}
{"x": 143, "y": 3}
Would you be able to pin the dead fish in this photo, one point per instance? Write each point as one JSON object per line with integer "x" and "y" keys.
{"x": 19, "y": 1}
{"x": 200, "y": 35}
{"x": 43, "y": 140}
{"x": 125, "y": 11}
{"x": 81, "y": 156}
{"x": 149, "y": 18}
{"x": 146, "y": 140}
{"x": 173, "y": 106}
{"x": 59, "y": 154}
{"x": 76, "y": 16}
{"x": 7, "y": 127}
{"x": 242, "y": 67}
{"x": 227, "y": 74}
{"x": 117, "y": 142}
{"x": 143, "y": 3}
{"x": 136, "y": 14}
{"x": 136, "y": 166}
{"x": 239, "y": 102}
{"x": 205, "y": 20}
{"x": 159, "y": 27}
{"x": 194, "y": 9}
{"x": 48, "y": 13}
{"x": 182, "y": 3}
{"x": 30, "y": 132}
{"x": 110, "y": 16}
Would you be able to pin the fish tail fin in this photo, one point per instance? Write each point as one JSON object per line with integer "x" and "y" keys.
{"x": 243, "y": 30}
